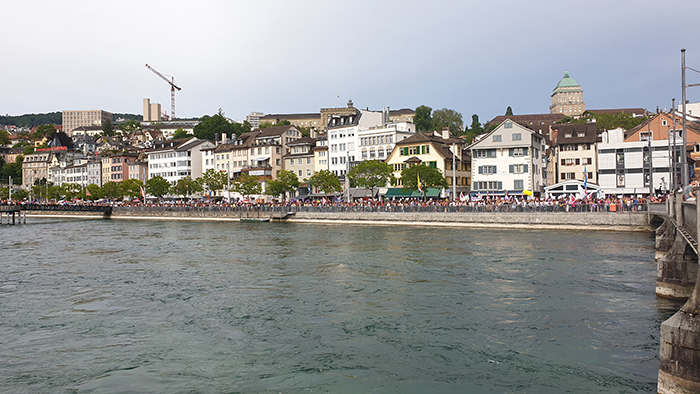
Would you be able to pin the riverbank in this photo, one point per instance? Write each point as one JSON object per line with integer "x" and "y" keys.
{"x": 572, "y": 221}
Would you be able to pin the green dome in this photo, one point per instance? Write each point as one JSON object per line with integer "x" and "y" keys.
{"x": 567, "y": 82}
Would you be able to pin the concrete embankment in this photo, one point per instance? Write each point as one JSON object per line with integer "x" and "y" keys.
{"x": 628, "y": 221}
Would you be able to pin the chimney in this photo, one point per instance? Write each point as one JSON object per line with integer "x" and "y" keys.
{"x": 223, "y": 138}
{"x": 216, "y": 138}
{"x": 445, "y": 133}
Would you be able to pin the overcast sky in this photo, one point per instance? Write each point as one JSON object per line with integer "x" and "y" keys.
{"x": 299, "y": 56}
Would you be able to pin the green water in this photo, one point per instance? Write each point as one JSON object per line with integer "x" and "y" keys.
{"x": 182, "y": 307}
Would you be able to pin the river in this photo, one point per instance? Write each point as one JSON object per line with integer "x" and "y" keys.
{"x": 125, "y": 306}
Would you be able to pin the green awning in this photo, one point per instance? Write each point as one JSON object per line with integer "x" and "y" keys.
{"x": 431, "y": 192}
{"x": 397, "y": 192}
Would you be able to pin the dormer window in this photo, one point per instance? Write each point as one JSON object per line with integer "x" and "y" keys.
{"x": 580, "y": 135}
{"x": 569, "y": 135}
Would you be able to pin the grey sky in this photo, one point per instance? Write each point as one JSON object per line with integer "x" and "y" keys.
{"x": 298, "y": 56}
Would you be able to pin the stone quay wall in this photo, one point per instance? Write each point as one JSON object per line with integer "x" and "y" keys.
{"x": 613, "y": 221}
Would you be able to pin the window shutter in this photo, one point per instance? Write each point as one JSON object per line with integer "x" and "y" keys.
{"x": 481, "y": 169}
{"x": 422, "y": 149}
{"x": 510, "y": 153}
{"x": 525, "y": 151}
{"x": 563, "y": 162}
{"x": 495, "y": 170}
{"x": 510, "y": 169}
{"x": 525, "y": 168}
{"x": 500, "y": 185}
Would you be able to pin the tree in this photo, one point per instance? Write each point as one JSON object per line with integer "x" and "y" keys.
{"x": 129, "y": 126}
{"x": 4, "y": 137}
{"x": 429, "y": 177}
{"x": 95, "y": 192}
{"x": 509, "y": 111}
{"x": 370, "y": 174}
{"x": 475, "y": 129}
{"x": 423, "y": 118}
{"x": 187, "y": 186}
{"x": 70, "y": 191}
{"x": 43, "y": 131}
{"x": 447, "y": 118}
{"x": 20, "y": 194}
{"x": 28, "y": 150}
{"x": 111, "y": 190}
{"x": 240, "y": 128}
{"x": 283, "y": 122}
{"x": 325, "y": 181}
{"x": 131, "y": 187}
{"x": 157, "y": 186}
{"x": 214, "y": 180}
{"x": 287, "y": 181}
{"x": 108, "y": 128}
{"x": 209, "y": 126}
{"x": 181, "y": 133}
{"x": 246, "y": 185}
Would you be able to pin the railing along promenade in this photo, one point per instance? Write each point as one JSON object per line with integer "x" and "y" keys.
{"x": 360, "y": 208}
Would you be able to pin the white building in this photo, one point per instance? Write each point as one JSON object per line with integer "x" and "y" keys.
{"x": 628, "y": 168}
{"x": 177, "y": 159}
{"x": 508, "y": 159}
{"x": 377, "y": 143}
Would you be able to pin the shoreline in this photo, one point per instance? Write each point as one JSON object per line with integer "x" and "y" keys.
{"x": 369, "y": 222}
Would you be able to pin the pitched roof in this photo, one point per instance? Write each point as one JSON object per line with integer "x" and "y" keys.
{"x": 273, "y": 131}
{"x": 574, "y": 134}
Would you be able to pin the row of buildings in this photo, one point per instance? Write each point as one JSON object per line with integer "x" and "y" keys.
{"x": 525, "y": 154}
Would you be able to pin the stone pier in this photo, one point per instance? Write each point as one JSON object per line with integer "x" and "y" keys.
{"x": 677, "y": 277}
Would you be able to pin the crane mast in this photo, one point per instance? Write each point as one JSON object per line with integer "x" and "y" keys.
{"x": 173, "y": 87}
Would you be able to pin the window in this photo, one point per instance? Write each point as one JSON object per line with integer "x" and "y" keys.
{"x": 518, "y": 184}
{"x": 517, "y": 137}
{"x": 308, "y": 160}
{"x": 487, "y": 170}
{"x": 299, "y": 172}
{"x": 496, "y": 138}
{"x": 518, "y": 168}
{"x": 508, "y": 125}
{"x": 517, "y": 152}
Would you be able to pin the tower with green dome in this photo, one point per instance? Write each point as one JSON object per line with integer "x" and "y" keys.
{"x": 567, "y": 98}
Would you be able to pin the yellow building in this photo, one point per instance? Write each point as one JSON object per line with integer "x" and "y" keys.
{"x": 435, "y": 150}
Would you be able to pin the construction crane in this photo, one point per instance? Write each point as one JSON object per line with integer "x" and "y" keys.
{"x": 170, "y": 81}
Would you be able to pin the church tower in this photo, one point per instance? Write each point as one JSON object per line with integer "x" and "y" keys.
{"x": 567, "y": 98}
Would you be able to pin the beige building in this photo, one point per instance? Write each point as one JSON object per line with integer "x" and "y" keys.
{"x": 567, "y": 98}
{"x": 151, "y": 111}
{"x": 75, "y": 119}
{"x": 300, "y": 158}
{"x": 574, "y": 153}
{"x": 434, "y": 150}
{"x": 37, "y": 166}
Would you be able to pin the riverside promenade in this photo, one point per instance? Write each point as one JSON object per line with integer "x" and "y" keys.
{"x": 582, "y": 216}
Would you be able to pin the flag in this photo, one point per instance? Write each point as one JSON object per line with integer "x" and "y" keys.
{"x": 585, "y": 180}
{"x": 87, "y": 192}
{"x": 143, "y": 192}
{"x": 420, "y": 189}
{"x": 461, "y": 196}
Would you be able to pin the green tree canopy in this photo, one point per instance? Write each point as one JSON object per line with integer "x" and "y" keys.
{"x": 209, "y": 126}
{"x": 475, "y": 129}
{"x": 157, "y": 186}
{"x": 429, "y": 177}
{"x": 4, "y": 137}
{"x": 509, "y": 111}
{"x": 129, "y": 126}
{"x": 286, "y": 182}
{"x": 447, "y": 118}
{"x": 131, "y": 187}
{"x": 108, "y": 128}
{"x": 214, "y": 180}
{"x": 370, "y": 174}
{"x": 95, "y": 192}
{"x": 325, "y": 181}
{"x": 181, "y": 133}
{"x": 423, "y": 118}
{"x": 111, "y": 190}
{"x": 70, "y": 191}
{"x": 42, "y": 131}
{"x": 187, "y": 186}
{"x": 246, "y": 185}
